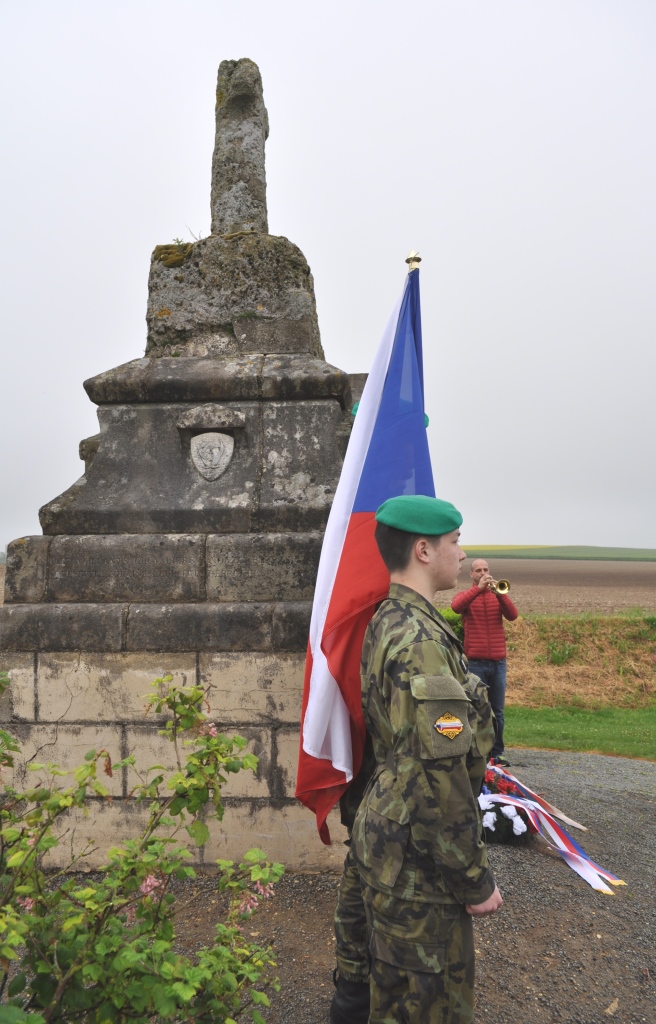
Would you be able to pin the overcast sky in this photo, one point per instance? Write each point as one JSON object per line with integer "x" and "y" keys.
{"x": 511, "y": 142}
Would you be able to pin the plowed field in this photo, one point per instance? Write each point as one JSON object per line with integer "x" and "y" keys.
{"x": 553, "y": 587}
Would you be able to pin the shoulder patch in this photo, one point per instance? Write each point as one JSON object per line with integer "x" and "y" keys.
{"x": 448, "y": 725}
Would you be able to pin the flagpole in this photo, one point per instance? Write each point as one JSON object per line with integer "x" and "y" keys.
{"x": 413, "y": 260}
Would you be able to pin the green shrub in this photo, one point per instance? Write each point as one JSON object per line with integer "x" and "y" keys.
{"x": 454, "y": 620}
{"x": 102, "y": 951}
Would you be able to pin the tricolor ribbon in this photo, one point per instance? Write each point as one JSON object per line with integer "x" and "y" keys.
{"x": 525, "y": 791}
{"x": 542, "y": 817}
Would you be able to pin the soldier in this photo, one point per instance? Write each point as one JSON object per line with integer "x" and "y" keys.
{"x": 417, "y": 837}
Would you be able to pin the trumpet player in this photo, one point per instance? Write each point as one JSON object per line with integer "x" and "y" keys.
{"x": 483, "y": 609}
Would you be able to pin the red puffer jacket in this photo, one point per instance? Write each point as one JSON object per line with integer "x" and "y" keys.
{"x": 483, "y": 613}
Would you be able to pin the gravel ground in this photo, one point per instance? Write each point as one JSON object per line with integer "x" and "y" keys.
{"x": 557, "y": 952}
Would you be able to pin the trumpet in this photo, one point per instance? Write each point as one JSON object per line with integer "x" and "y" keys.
{"x": 499, "y": 586}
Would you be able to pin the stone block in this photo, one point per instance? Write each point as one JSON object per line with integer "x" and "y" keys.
{"x": 155, "y": 567}
{"x": 27, "y": 566}
{"x": 150, "y": 748}
{"x": 262, "y": 567}
{"x": 17, "y": 703}
{"x": 287, "y": 834}
{"x": 107, "y": 824}
{"x": 104, "y": 687}
{"x": 257, "y": 335}
{"x": 287, "y": 747}
{"x": 291, "y": 625}
{"x": 144, "y": 478}
{"x": 185, "y": 379}
{"x": 197, "y": 307}
{"x": 252, "y": 687}
{"x": 301, "y": 465}
{"x": 65, "y": 746}
{"x": 199, "y": 627}
{"x": 61, "y": 627}
{"x": 294, "y": 377}
{"x": 357, "y": 382}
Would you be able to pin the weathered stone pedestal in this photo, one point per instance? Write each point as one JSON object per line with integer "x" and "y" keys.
{"x": 190, "y": 545}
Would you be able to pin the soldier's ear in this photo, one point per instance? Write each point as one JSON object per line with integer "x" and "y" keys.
{"x": 421, "y": 550}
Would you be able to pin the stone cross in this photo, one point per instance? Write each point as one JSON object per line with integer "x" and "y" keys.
{"x": 242, "y": 127}
{"x": 191, "y": 544}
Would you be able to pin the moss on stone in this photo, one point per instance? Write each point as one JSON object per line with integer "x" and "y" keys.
{"x": 172, "y": 255}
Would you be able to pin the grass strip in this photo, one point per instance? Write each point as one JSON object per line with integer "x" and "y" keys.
{"x": 615, "y": 731}
{"x": 578, "y": 552}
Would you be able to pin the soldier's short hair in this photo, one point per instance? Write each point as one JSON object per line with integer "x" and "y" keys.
{"x": 396, "y": 546}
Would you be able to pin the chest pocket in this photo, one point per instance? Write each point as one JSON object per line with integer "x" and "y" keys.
{"x": 442, "y": 709}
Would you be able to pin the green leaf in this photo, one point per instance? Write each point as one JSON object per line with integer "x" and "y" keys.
{"x": 164, "y": 1003}
{"x": 17, "y": 858}
{"x": 16, "y": 985}
{"x": 14, "y": 1015}
{"x": 84, "y": 894}
{"x": 254, "y": 855}
{"x": 126, "y": 958}
{"x": 72, "y": 922}
{"x": 186, "y": 992}
{"x": 199, "y": 832}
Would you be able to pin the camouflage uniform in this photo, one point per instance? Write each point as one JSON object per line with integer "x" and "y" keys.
{"x": 417, "y": 836}
{"x": 351, "y": 934}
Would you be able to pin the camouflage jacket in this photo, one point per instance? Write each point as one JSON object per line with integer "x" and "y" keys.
{"x": 417, "y": 833}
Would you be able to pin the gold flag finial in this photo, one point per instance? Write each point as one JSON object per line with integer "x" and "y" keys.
{"x": 413, "y": 261}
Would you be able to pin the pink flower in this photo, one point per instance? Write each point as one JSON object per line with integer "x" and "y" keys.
{"x": 26, "y": 902}
{"x": 264, "y": 890}
{"x": 149, "y": 884}
{"x": 212, "y": 729}
{"x": 248, "y": 903}
{"x": 31, "y": 841}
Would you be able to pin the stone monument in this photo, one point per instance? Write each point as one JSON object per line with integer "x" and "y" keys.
{"x": 190, "y": 544}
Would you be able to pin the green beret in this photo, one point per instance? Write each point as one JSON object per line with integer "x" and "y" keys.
{"x": 417, "y": 513}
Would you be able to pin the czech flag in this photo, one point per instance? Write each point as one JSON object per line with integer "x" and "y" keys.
{"x": 387, "y": 455}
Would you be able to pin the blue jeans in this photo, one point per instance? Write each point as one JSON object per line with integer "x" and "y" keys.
{"x": 493, "y": 674}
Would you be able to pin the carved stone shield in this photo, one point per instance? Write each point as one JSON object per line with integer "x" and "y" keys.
{"x": 211, "y": 453}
